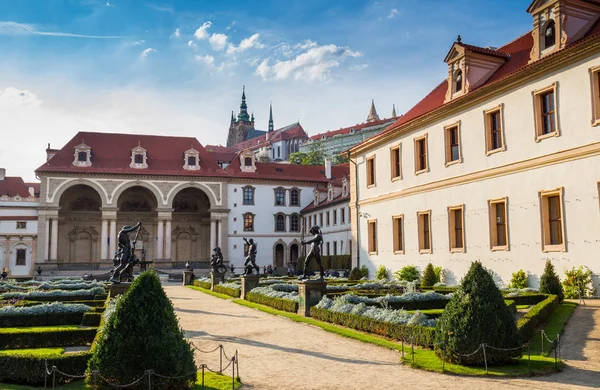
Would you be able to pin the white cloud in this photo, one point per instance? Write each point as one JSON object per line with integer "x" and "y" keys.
{"x": 177, "y": 33}
{"x": 393, "y": 13}
{"x": 312, "y": 65}
{"x": 218, "y": 41}
{"x": 192, "y": 43}
{"x": 359, "y": 68}
{"x": 21, "y": 29}
{"x": 161, "y": 8}
{"x": 207, "y": 59}
{"x": 245, "y": 44}
{"x": 137, "y": 43}
{"x": 12, "y": 97}
{"x": 307, "y": 44}
{"x": 146, "y": 52}
{"x": 109, "y": 4}
{"x": 201, "y": 32}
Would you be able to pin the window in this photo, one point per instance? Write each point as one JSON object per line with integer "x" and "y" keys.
{"x": 191, "y": 161}
{"x": 452, "y": 134}
{"x": 546, "y": 114}
{"x": 279, "y": 197}
{"x": 549, "y": 35}
{"x": 328, "y": 252}
{"x": 458, "y": 81}
{"x": 294, "y": 198}
{"x": 371, "y": 171}
{"x": 335, "y": 248}
{"x": 280, "y": 223}
{"x": 421, "y": 161}
{"x": 494, "y": 137}
{"x": 342, "y": 247}
{"x": 278, "y": 151}
{"x": 498, "y": 225}
{"x": 248, "y": 161}
{"x": 553, "y": 232}
{"x": 424, "y": 225}
{"x": 456, "y": 228}
{"x": 21, "y": 225}
{"x": 310, "y": 222}
{"x": 249, "y": 195}
{"x": 294, "y": 223}
{"x": 139, "y": 159}
{"x": 396, "y": 161}
{"x": 21, "y": 257}
{"x": 248, "y": 222}
{"x": 320, "y": 219}
{"x": 595, "y": 79}
{"x": 372, "y": 231}
{"x": 335, "y": 217}
{"x": 327, "y": 218}
{"x": 398, "y": 231}
{"x": 342, "y": 215}
{"x": 82, "y": 156}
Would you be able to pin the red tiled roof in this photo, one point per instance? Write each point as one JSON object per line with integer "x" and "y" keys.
{"x": 12, "y": 186}
{"x": 294, "y": 130}
{"x": 326, "y": 203}
{"x": 484, "y": 50}
{"x": 111, "y": 153}
{"x": 36, "y": 187}
{"x": 346, "y": 130}
{"x": 221, "y": 153}
{"x": 519, "y": 52}
{"x": 293, "y": 172}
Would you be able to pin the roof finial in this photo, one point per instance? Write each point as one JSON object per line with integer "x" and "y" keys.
{"x": 83, "y": 141}
{"x": 459, "y": 39}
{"x": 271, "y": 126}
{"x": 393, "y": 111}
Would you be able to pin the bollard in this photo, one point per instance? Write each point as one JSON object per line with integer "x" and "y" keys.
{"x": 237, "y": 363}
{"x": 149, "y": 380}
{"x": 443, "y": 358}
{"x": 485, "y": 359}
{"x": 53, "y": 377}
{"x": 529, "y": 357}
{"x": 558, "y": 341}
{"x": 403, "y": 348}
{"x": 220, "y": 359}
{"x": 412, "y": 347}
{"x": 542, "y": 335}
{"x": 233, "y": 374}
{"x": 203, "y": 377}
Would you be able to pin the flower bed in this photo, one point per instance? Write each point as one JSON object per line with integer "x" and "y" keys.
{"x": 203, "y": 283}
{"x": 70, "y": 286}
{"x": 406, "y": 301}
{"x": 55, "y": 294}
{"x": 231, "y": 289}
{"x": 279, "y": 296}
{"x": 56, "y": 313}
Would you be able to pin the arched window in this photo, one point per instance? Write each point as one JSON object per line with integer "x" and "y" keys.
{"x": 248, "y": 222}
{"x": 279, "y": 197}
{"x": 458, "y": 81}
{"x": 549, "y": 35}
{"x": 294, "y": 223}
{"x": 294, "y": 198}
{"x": 249, "y": 195}
{"x": 280, "y": 223}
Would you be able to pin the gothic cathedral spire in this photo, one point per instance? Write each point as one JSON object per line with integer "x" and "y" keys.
{"x": 372, "y": 113}
{"x": 271, "y": 127}
{"x": 243, "y": 115}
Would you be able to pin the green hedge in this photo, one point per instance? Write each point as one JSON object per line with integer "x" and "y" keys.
{"x": 329, "y": 262}
{"x": 205, "y": 285}
{"x": 15, "y": 321}
{"x": 421, "y": 335}
{"x": 528, "y": 298}
{"x": 511, "y": 305}
{"x": 29, "y": 369}
{"x": 47, "y": 338}
{"x": 536, "y": 316}
{"x": 233, "y": 292}
{"x": 276, "y": 303}
{"x": 91, "y": 319}
{"x": 27, "y": 303}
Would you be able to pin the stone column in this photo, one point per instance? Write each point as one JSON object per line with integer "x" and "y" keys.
{"x": 220, "y": 233}
{"x": 168, "y": 239}
{"x": 46, "y": 239}
{"x": 54, "y": 240}
{"x": 213, "y": 234}
{"x": 113, "y": 238}
{"x": 109, "y": 240}
{"x": 163, "y": 245}
{"x": 103, "y": 240}
{"x": 159, "y": 240}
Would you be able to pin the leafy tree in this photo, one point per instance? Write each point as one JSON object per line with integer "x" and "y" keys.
{"x": 297, "y": 158}
{"x": 355, "y": 274}
{"x": 550, "y": 283}
{"x": 340, "y": 159}
{"x": 364, "y": 271}
{"x": 143, "y": 334}
{"x": 429, "y": 278}
{"x": 519, "y": 279}
{"x": 382, "y": 273}
{"x": 438, "y": 273}
{"x": 409, "y": 273}
{"x": 315, "y": 156}
{"x": 477, "y": 315}
{"x": 578, "y": 280}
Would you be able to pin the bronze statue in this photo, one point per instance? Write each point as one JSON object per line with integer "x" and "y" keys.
{"x": 250, "y": 261}
{"x": 216, "y": 262}
{"x": 314, "y": 252}
{"x": 125, "y": 257}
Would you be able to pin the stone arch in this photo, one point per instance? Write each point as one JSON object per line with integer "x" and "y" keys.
{"x": 185, "y": 241}
{"x": 280, "y": 253}
{"x": 294, "y": 252}
{"x": 20, "y": 270}
{"x": 2, "y": 259}
{"x": 63, "y": 187}
{"x": 138, "y": 183}
{"x": 83, "y": 242}
{"x": 214, "y": 199}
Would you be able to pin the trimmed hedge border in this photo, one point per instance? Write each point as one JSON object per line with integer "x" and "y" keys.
{"x": 205, "y": 285}
{"x": 511, "y": 305}
{"x": 91, "y": 319}
{"x": 528, "y": 298}
{"x": 47, "y": 339}
{"x": 536, "y": 316}
{"x": 232, "y": 292}
{"x": 29, "y": 369}
{"x": 423, "y": 336}
{"x": 27, "y": 303}
{"x": 276, "y": 303}
{"x": 40, "y": 320}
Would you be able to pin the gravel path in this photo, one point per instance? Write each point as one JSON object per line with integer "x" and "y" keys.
{"x": 277, "y": 353}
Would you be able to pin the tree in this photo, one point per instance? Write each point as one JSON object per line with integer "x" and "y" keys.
{"x": 297, "y": 158}
{"x": 340, "y": 159}
{"x": 429, "y": 277}
{"x": 477, "y": 315}
{"x": 143, "y": 334}
{"x": 550, "y": 283}
{"x": 315, "y": 156}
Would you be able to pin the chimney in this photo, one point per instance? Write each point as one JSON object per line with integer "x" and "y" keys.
{"x": 2, "y": 173}
{"x": 328, "y": 167}
{"x": 50, "y": 153}
{"x": 31, "y": 192}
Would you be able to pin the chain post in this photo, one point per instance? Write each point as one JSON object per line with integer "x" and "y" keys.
{"x": 233, "y": 374}
{"x": 412, "y": 348}
{"x": 203, "y": 377}
{"x": 542, "y": 336}
{"x": 237, "y": 363}
{"x": 149, "y": 380}
{"x": 403, "y": 348}
{"x": 529, "y": 357}
{"x": 443, "y": 357}
{"x": 45, "y": 374}
{"x": 555, "y": 360}
{"x": 558, "y": 342}
{"x": 53, "y": 377}
{"x": 485, "y": 359}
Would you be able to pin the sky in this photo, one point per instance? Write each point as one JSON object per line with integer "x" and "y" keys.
{"x": 177, "y": 67}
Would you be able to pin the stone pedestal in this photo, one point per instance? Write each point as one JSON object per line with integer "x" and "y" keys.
{"x": 216, "y": 278}
{"x": 188, "y": 278}
{"x": 248, "y": 283}
{"x": 310, "y": 293}
{"x": 118, "y": 288}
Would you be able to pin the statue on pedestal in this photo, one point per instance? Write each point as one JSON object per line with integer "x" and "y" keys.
{"x": 125, "y": 257}
{"x": 314, "y": 252}
{"x": 250, "y": 261}
{"x": 216, "y": 262}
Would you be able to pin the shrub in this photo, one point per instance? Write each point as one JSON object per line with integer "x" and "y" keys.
{"x": 409, "y": 273}
{"x": 143, "y": 334}
{"x": 429, "y": 278}
{"x": 202, "y": 284}
{"x": 355, "y": 274}
{"x": 550, "y": 283}
{"x": 43, "y": 309}
{"x": 578, "y": 281}
{"x": 231, "y": 291}
{"x": 45, "y": 337}
{"x": 91, "y": 319}
{"x": 477, "y": 315}
{"x": 11, "y": 321}
{"x": 364, "y": 271}
{"x": 526, "y": 298}
{"x": 439, "y": 272}
{"x": 381, "y": 273}
{"x": 27, "y": 368}
{"x": 276, "y": 303}
{"x": 540, "y": 313}
{"x": 519, "y": 279}
{"x": 512, "y": 306}
{"x": 55, "y": 295}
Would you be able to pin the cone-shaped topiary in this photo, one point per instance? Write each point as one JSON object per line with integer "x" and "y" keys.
{"x": 550, "y": 283}
{"x": 477, "y": 315}
{"x": 355, "y": 274}
{"x": 143, "y": 334}
{"x": 429, "y": 278}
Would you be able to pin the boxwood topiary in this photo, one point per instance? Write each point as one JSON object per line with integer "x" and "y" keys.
{"x": 477, "y": 315}
{"x": 429, "y": 277}
{"x": 550, "y": 283}
{"x": 355, "y": 274}
{"x": 143, "y": 334}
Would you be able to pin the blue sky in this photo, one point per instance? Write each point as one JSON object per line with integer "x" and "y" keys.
{"x": 177, "y": 67}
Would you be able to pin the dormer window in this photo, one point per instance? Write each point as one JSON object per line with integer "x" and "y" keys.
{"x": 458, "y": 81}
{"x": 139, "y": 157}
{"x": 247, "y": 161}
{"x": 191, "y": 160}
{"x": 549, "y": 35}
{"x": 82, "y": 156}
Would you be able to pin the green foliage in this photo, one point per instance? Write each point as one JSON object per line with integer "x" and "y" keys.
{"x": 477, "y": 315}
{"x": 537, "y": 315}
{"x": 232, "y": 292}
{"x": 27, "y": 368}
{"x": 409, "y": 273}
{"x": 527, "y": 298}
{"x": 382, "y": 273}
{"x": 315, "y": 156}
{"x": 143, "y": 334}
{"x": 91, "y": 319}
{"x": 276, "y": 303}
{"x": 328, "y": 261}
{"x": 578, "y": 281}
{"x": 519, "y": 279}
{"x": 550, "y": 283}
{"x": 511, "y": 305}
{"x": 46, "y": 337}
{"x": 438, "y": 270}
{"x": 355, "y": 274}
{"x": 8, "y": 321}
{"x": 420, "y": 334}
{"x": 200, "y": 284}
{"x": 340, "y": 159}
{"x": 429, "y": 278}
{"x": 364, "y": 271}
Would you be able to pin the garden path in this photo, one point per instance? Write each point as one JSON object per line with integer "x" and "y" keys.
{"x": 277, "y": 353}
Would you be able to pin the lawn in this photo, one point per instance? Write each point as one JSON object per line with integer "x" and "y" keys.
{"x": 40, "y": 352}
{"x": 37, "y": 329}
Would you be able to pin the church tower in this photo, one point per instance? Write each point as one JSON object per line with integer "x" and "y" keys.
{"x": 240, "y": 126}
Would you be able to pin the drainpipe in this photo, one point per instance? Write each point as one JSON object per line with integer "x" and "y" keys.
{"x": 357, "y": 214}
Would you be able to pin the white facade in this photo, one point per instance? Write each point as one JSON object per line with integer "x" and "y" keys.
{"x": 18, "y": 234}
{"x": 519, "y": 173}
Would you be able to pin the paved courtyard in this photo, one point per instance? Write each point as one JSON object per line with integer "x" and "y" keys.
{"x": 277, "y": 353}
